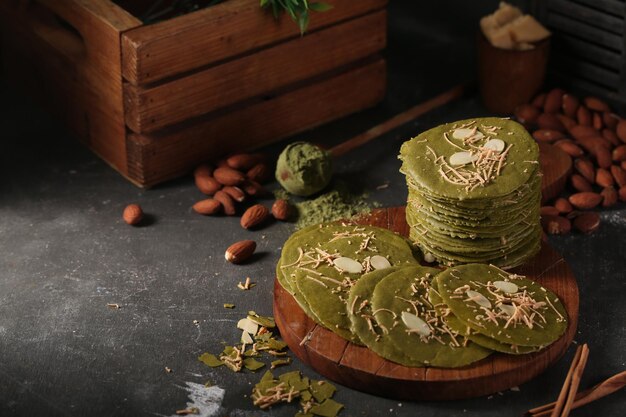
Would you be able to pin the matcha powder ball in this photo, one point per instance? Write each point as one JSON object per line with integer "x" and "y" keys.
{"x": 303, "y": 169}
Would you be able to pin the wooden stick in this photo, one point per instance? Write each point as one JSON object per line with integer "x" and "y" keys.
{"x": 398, "y": 120}
{"x": 604, "y": 388}
{"x": 558, "y": 407}
{"x": 576, "y": 381}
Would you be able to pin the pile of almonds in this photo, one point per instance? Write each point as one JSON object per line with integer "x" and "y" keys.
{"x": 595, "y": 138}
{"x": 233, "y": 182}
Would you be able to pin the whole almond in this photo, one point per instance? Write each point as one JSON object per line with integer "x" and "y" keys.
{"x": 620, "y": 130}
{"x": 207, "y": 207}
{"x": 619, "y": 175}
{"x": 622, "y": 193}
{"x": 604, "y": 178}
{"x": 132, "y": 214}
{"x": 556, "y": 225}
{"x": 254, "y": 216}
{"x": 240, "y": 251}
{"x": 603, "y": 157}
{"x": 527, "y": 114}
{"x": 580, "y": 183}
{"x": 547, "y": 135}
{"x": 570, "y": 105}
{"x": 610, "y": 119}
{"x": 611, "y": 137}
{"x": 260, "y": 173}
{"x": 539, "y": 100}
{"x": 548, "y": 211}
{"x": 244, "y": 161}
{"x": 236, "y": 193}
{"x": 205, "y": 170}
{"x": 563, "y": 206}
{"x": 586, "y": 169}
{"x": 207, "y": 185}
{"x": 587, "y": 222}
{"x": 583, "y": 116}
{"x": 623, "y": 165}
{"x": 227, "y": 202}
{"x": 229, "y": 176}
{"x": 609, "y": 197}
{"x": 566, "y": 121}
{"x": 550, "y": 121}
{"x": 281, "y": 210}
{"x": 591, "y": 144}
{"x": 580, "y": 131}
{"x": 619, "y": 153}
{"x": 597, "y": 122}
{"x": 596, "y": 104}
{"x": 253, "y": 188}
{"x": 554, "y": 100}
{"x": 585, "y": 200}
{"x": 570, "y": 148}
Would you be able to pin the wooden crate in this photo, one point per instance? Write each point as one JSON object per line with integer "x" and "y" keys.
{"x": 155, "y": 100}
{"x": 588, "y": 45}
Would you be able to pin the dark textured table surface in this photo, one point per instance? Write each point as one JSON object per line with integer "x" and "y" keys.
{"x": 65, "y": 253}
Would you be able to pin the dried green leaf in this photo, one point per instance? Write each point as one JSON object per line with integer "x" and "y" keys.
{"x": 329, "y": 408}
{"x": 281, "y": 362}
{"x": 322, "y": 390}
{"x": 267, "y": 376}
{"x": 252, "y": 364}
{"x": 263, "y": 321}
{"x": 210, "y": 360}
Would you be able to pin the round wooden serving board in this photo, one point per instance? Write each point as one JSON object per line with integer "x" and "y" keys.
{"x": 360, "y": 368}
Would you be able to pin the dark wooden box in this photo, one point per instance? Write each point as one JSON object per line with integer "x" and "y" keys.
{"x": 588, "y": 45}
{"x": 155, "y": 100}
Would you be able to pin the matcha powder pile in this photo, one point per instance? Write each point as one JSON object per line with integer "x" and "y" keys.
{"x": 334, "y": 205}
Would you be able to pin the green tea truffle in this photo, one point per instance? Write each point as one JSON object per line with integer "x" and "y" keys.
{"x": 303, "y": 169}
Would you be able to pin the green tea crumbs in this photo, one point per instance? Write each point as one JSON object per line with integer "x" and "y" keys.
{"x": 322, "y": 390}
{"x": 270, "y": 391}
{"x": 229, "y": 305}
{"x": 210, "y": 360}
{"x": 329, "y": 408}
{"x": 252, "y": 364}
{"x": 267, "y": 322}
{"x": 280, "y": 362}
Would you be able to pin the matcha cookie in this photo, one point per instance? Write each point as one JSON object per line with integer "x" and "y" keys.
{"x": 414, "y": 335}
{"x": 508, "y": 308}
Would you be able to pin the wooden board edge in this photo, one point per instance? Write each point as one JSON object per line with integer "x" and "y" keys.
{"x": 152, "y": 53}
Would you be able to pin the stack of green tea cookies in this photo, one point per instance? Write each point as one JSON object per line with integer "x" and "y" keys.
{"x": 364, "y": 284}
{"x": 474, "y": 192}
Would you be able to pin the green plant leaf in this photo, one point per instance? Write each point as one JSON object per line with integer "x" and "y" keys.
{"x": 320, "y": 6}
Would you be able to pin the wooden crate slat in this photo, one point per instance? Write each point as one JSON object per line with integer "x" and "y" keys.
{"x": 575, "y": 47}
{"x": 615, "y": 7}
{"x": 589, "y": 71}
{"x": 150, "y": 109}
{"x": 588, "y": 15}
{"x": 156, "y": 158}
{"x": 183, "y": 44}
{"x": 575, "y": 28}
